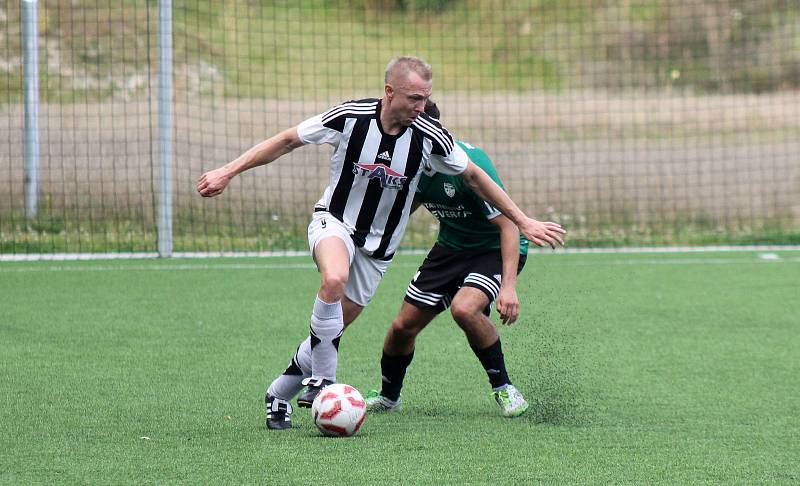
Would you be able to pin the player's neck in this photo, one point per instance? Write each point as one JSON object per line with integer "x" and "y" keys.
{"x": 389, "y": 124}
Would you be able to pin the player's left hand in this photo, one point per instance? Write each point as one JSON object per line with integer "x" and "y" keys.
{"x": 508, "y": 305}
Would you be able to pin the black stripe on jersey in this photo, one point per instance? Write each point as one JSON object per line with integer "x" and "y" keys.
{"x": 437, "y": 133}
{"x": 335, "y": 124}
{"x": 352, "y": 104}
{"x": 342, "y": 113}
{"x": 342, "y": 190}
{"x": 335, "y": 114}
{"x": 372, "y": 196}
{"x": 396, "y": 214}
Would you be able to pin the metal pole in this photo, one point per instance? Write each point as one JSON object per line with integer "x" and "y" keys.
{"x": 30, "y": 36}
{"x": 165, "y": 128}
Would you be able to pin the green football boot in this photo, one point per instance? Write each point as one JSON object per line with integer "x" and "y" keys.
{"x": 379, "y": 403}
{"x": 511, "y": 401}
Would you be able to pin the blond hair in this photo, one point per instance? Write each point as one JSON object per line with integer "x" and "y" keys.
{"x": 405, "y": 64}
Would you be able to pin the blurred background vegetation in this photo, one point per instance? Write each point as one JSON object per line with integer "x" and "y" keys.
{"x": 707, "y": 46}
{"x": 658, "y": 122}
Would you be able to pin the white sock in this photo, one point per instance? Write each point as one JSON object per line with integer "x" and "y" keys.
{"x": 288, "y": 384}
{"x": 303, "y": 356}
{"x": 327, "y": 324}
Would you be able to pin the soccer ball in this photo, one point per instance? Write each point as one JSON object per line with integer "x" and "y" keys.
{"x": 338, "y": 410}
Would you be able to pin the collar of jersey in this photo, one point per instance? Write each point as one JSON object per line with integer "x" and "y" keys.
{"x": 380, "y": 125}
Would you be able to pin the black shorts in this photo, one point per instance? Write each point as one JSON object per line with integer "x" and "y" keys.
{"x": 445, "y": 271}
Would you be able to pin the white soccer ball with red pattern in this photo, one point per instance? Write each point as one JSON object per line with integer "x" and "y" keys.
{"x": 339, "y": 410}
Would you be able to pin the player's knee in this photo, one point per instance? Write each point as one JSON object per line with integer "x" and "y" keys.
{"x": 403, "y": 329}
{"x": 463, "y": 313}
{"x": 333, "y": 285}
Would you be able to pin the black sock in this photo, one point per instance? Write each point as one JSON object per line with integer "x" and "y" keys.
{"x": 393, "y": 369}
{"x": 495, "y": 365}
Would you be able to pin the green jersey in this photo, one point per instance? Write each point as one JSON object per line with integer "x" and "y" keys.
{"x": 464, "y": 218}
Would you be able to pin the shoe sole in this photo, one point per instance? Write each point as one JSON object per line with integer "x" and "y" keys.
{"x": 383, "y": 410}
{"x": 518, "y": 412}
{"x": 278, "y": 426}
{"x": 380, "y": 408}
{"x": 304, "y": 402}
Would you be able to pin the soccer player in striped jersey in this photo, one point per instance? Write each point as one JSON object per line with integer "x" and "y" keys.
{"x": 380, "y": 149}
{"x": 474, "y": 262}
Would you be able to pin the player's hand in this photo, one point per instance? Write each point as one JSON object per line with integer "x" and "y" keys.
{"x": 508, "y": 305}
{"x": 543, "y": 233}
{"x": 213, "y": 182}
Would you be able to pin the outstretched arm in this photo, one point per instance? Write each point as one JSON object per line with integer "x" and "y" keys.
{"x": 507, "y": 301}
{"x": 213, "y": 182}
{"x": 537, "y": 232}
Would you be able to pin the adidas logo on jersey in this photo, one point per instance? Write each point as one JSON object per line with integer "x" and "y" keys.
{"x": 385, "y": 155}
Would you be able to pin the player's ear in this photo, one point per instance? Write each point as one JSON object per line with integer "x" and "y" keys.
{"x": 389, "y": 90}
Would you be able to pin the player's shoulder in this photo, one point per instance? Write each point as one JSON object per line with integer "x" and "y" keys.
{"x": 352, "y": 108}
{"x": 479, "y": 157}
{"x": 475, "y": 153}
{"x": 427, "y": 124}
{"x": 433, "y": 129}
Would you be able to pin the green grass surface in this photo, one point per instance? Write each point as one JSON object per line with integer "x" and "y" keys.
{"x": 643, "y": 369}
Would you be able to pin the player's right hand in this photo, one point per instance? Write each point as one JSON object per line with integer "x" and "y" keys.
{"x": 213, "y": 182}
{"x": 508, "y": 305}
{"x": 543, "y": 233}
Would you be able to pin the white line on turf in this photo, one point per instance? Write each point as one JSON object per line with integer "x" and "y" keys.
{"x": 28, "y": 257}
{"x": 158, "y": 267}
{"x": 776, "y": 260}
{"x": 681, "y": 261}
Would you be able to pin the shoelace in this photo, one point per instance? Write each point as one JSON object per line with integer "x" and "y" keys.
{"x": 316, "y": 382}
{"x": 280, "y": 406}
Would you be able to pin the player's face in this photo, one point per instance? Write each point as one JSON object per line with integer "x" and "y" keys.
{"x": 407, "y": 98}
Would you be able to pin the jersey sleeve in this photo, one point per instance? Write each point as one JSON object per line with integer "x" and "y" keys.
{"x": 489, "y": 211}
{"x": 328, "y": 127}
{"x": 479, "y": 158}
{"x": 446, "y": 157}
{"x": 314, "y": 130}
{"x": 452, "y": 162}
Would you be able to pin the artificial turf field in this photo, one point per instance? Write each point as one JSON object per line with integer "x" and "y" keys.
{"x": 640, "y": 368}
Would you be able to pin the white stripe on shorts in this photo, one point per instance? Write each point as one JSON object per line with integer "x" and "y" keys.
{"x": 483, "y": 282}
{"x": 429, "y": 298}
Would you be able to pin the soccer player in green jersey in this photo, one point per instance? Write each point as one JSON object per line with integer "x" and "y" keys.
{"x": 474, "y": 262}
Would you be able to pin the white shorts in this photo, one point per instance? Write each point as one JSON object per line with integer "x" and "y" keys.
{"x": 365, "y": 272}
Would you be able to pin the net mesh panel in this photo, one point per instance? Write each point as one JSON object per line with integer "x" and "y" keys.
{"x": 631, "y": 123}
{"x": 96, "y": 120}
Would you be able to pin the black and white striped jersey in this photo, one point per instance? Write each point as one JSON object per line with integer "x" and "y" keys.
{"x": 373, "y": 175}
